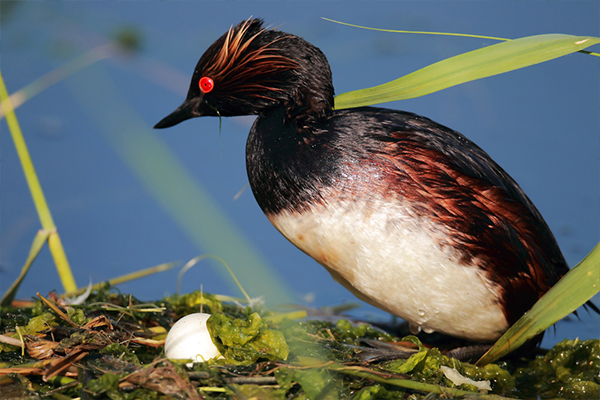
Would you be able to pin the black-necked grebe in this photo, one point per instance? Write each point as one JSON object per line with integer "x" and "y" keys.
{"x": 409, "y": 215}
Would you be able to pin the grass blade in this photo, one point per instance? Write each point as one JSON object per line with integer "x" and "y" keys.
{"x": 415, "y": 32}
{"x": 56, "y": 248}
{"x": 126, "y": 278}
{"x": 38, "y": 242}
{"x": 194, "y": 261}
{"x": 140, "y": 274}
{"x": 57, "y": 75}
{"x": 448, "y": 392}
{"x": 476, "y": 64}
{"x": 572, "y": 291}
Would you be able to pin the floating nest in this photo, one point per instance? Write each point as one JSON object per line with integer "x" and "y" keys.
{"x": 111, "y": 347}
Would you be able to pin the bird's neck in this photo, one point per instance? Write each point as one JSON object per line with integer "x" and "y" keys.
{"x": 283, "y": 158}
{"x": 305, "y": 110}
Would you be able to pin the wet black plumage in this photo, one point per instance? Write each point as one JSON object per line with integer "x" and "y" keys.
{"x": 309, "y": 164}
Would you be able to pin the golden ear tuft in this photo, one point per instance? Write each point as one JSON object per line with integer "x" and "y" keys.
{"x": 237, "y": 66}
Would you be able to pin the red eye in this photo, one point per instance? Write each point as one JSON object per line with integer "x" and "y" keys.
{"x": 206, "y": 84}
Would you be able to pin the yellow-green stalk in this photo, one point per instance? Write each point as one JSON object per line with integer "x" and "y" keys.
{"x": 56, "y": 248}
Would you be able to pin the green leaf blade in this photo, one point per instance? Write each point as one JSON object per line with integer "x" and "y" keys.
{"x": 488, "y": 61}
{"x": 573, "y": 290}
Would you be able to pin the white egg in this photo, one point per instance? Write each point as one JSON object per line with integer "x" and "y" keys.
{"x": 189, "y": 339}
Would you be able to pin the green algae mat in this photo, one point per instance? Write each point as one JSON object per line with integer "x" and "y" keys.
{"x": 112, "y": 347}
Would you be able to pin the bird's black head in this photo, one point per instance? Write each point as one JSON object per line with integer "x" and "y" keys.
{"x": 251, "y": 69}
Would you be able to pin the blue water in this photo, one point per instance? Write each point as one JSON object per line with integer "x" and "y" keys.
{"x": 540, "y": 123}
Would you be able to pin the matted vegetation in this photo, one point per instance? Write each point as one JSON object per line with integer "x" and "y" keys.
{"x": 112, "y": 347}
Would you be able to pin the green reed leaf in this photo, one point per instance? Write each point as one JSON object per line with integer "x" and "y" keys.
{"x": 491, "y": 60}
{"x": 572, "y": 291}
{"x": 35, "y": 188}
{"x": 38, "y": 242}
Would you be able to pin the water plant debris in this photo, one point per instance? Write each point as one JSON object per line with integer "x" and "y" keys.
{"x": 111, "y": 346}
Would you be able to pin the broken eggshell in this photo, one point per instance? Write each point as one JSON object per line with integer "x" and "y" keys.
{"x": 189, "y": 339}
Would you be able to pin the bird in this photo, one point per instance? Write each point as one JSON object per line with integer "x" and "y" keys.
{"x": 407, "y": 214}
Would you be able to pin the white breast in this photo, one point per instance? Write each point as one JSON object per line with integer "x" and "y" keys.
{"x": 394, "y": 261}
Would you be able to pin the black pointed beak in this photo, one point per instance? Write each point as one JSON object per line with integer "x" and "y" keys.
{"x": 188, "y": 109}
